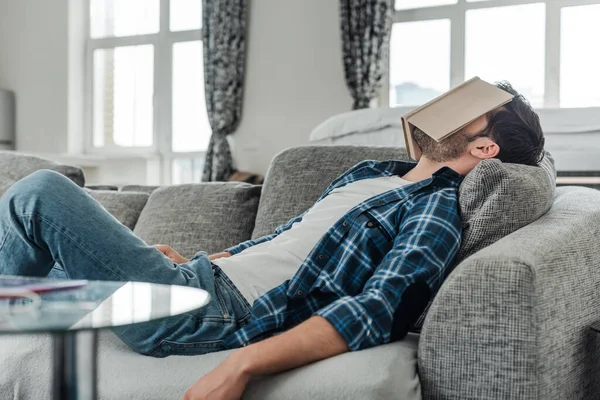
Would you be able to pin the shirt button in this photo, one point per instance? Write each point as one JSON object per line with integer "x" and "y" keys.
{"x": 300, "y": 292}
{"x": 321, "y": 256}
{"x": 370, "y": 224}
{"x": 345, "y": 223}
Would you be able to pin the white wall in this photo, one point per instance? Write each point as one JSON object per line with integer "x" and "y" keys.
{"x": 33, "y": 63}
{"x": 294, "y": 77}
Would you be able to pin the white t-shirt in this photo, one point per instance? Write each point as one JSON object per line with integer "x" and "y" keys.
{"x": 265, "y": 266}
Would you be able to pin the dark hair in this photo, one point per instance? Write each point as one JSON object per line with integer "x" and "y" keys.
{"x": 516, "y": 129}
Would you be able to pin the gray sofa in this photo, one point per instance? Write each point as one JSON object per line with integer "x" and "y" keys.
{"x": 511, "y": 321}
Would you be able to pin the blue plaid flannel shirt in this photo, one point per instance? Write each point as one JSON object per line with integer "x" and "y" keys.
{"x": 373, "y": 272}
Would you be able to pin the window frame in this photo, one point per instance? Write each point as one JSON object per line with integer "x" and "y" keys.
{"x": 456, "y": 14}
{"x": 162, "y": 135}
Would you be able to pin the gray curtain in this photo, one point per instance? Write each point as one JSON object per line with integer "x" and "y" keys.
{"x": 224, "y": 39}
{"x": 366, "y": 28}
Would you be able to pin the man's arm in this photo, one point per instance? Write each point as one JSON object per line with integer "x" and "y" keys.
{"x": 313, "y": 340}
{"x": 174, "y": 256}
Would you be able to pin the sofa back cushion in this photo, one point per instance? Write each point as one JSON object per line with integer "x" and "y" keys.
{"x": 297, "y": 177}
{"x": 199, "y": 217}
{"x": 126, "y": 207}
{"x": 498, "y": 198}
{"x": 15, "y": 166}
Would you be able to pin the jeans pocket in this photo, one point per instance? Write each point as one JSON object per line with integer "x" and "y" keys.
{"x": 223, "y": 301}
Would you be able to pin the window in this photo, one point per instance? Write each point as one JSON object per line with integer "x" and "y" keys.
{"x": 541, "y": 47}
{"x": 146, "y": 83}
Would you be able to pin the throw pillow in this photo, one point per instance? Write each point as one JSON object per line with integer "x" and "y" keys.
{"x": 15, "y": 166}
{"x": 125, "y": 207}
{"x": 496, "y": 199}
{"x": 208, "y": 216}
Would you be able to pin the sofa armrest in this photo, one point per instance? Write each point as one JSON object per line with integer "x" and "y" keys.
{"x": 512, "y": 321}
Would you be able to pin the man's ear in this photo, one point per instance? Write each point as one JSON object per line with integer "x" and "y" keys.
{"x": 484, "y": 148}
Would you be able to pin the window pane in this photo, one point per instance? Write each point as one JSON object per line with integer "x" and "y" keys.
{"x": 187, "y": 170}
{"x": 186, "y": 15}
{"x": 419, "y": 69}
{"x": 191, "y": 130}
{"x": 123, "y": 17}
{"x": 123, "y": 94}
{"x": 406, "y": 4}
{"x": 496, "y": 52}
{"x": 579, "y": 64}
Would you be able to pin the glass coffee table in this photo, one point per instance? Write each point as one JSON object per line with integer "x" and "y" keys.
{"x": 73, "y": 311}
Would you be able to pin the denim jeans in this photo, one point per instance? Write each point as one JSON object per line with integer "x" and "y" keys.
{"x": 51, "y": 227}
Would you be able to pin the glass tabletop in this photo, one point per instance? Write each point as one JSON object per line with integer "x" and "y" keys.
{"x": 47, "y": 305}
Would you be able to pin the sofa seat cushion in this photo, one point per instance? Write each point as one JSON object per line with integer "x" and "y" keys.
{"x": 15, "y": 166}
{"x": 385, "y": 372}
{"x": 199, "y": 217}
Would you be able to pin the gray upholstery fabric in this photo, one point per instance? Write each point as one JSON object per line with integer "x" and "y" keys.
{"x": 126, "y": 207}
{"x": 208, "y": 217}
{"x": 298, "y": 177}
{"x": 15, "y": 166}
{"x": 512, "y": 321}
{"x": 383, "y": 373}
{"x": 139, "y": 188}
{"x": 497, "y": 199}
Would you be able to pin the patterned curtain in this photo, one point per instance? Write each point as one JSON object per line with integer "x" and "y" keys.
{"x": 366, "y": 28}
{"x": 224, "y": 39}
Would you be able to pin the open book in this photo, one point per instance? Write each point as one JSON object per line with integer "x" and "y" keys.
{"x": 451, "y": 111}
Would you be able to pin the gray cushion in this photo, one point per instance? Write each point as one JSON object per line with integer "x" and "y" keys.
{"x": 381, "y": 373}
{"x": 297, "y": 177}
{"x": 139, "y": 188}
{"x": 15, "y": 166}
{"x": 126, "y": 207}
{"x": 498, "y": 198}
{"x": 208, "y": 216}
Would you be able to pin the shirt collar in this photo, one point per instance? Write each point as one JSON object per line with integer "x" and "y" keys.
{"x": 444, "y": 176}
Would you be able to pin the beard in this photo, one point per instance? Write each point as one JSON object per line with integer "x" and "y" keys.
{"x": 448, "y": 149}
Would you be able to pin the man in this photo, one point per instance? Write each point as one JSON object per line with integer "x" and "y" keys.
{"x": 353, "y": 272}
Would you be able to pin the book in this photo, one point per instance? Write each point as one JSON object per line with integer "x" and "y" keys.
{"x": 14, "y": 286}
{"x": 450, "y": 112}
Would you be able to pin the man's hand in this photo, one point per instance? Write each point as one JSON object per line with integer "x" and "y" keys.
{"x": 312, "y": 340}
{"x": 224, "y": 254}
{"x": 172, "y": 254}
{"x": 226, "y": 382}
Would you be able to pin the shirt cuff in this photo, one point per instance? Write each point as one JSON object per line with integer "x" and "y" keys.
{"x": 235, "y": 250}
{"x": 351, "y": 319}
